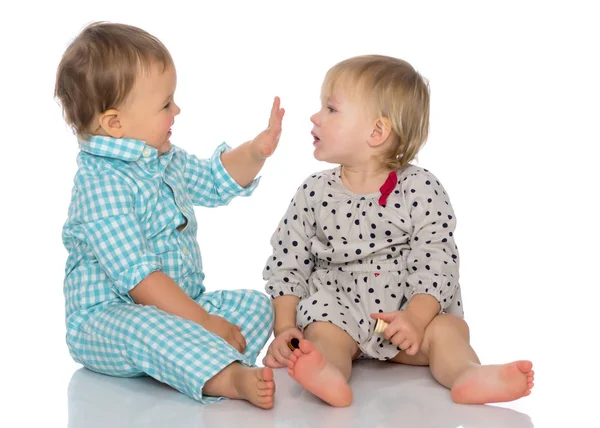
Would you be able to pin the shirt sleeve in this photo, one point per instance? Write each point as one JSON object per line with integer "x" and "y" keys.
{"x": 105, "y": 221}
{"x": 289, "y": 267}
{"x": 433, "y": 260}
{"x": 208, "y": 182}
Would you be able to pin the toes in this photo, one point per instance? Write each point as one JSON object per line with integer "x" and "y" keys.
{"x": 270, "y": 361}
{"x": 267, "y": 374}
{"x": 293, "y": 358}
{"x": 265, "y": 402}
{"x": 266, "y": 385}
{"x": 291, "y": 372}
{"x": 529, "y": 385}
{"x": 525, "y": 366}
{"x": 527, "y": 393}
{"x": 265, "y": 393}
{"x": 306, "y": 346}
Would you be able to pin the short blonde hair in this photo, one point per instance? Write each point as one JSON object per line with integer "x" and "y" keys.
{"x": 390, "y": 88}
{"x": 99, "y": 68}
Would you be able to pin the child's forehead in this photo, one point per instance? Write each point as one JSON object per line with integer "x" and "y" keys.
{"x": 342, "y": 90}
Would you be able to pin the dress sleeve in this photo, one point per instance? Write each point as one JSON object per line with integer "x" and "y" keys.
{"x": 289, "y": 267}
{"x": 433, "y": 261}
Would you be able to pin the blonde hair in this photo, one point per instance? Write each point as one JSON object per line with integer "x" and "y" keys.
{"x": 99, "y": 68}
{"x": 392, "y": 89}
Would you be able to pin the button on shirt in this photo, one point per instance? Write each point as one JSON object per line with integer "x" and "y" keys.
{"x": 131, "y": 214}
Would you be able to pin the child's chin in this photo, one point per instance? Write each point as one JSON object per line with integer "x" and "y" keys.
{"x": 318, "y": 155}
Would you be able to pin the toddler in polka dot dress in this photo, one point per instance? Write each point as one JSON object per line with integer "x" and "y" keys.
{"x": 373, "y": 239}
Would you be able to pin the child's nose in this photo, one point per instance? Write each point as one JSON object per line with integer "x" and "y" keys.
{"x": 176, "y": 110}
{"x": 315, "y": 119}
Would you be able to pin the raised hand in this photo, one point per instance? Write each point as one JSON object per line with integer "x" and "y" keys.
{"x": 265, "y": 143}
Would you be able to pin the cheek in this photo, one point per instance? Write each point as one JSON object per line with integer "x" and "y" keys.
{"x": 166, "y": 120}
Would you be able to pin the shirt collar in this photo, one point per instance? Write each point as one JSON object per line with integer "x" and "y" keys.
{"x": 126, "y": 149}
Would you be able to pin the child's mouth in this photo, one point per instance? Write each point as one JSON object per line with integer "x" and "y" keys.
{"x": 316, "y": 139}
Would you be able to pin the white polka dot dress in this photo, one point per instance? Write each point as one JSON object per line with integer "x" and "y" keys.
{"x": 347, "y": 255}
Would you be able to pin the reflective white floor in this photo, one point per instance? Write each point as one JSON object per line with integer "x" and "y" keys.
{"x": 386, "y": 395}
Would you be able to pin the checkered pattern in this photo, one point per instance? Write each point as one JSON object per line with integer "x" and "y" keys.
{"x": 134, "y": 340}
{"x": 127, "y": 203}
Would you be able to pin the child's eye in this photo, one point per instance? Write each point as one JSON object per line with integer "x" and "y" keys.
{"x": 168, "y": 105}
{"x": 331, "y": 109}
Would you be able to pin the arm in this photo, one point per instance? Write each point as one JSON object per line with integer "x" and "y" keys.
{"x": 285, "y": 313}
{"x": 433, "y": 261}
{"x": 288, "y": 269}
{"x": 159, "y": 290}
{"x": 424, "y": 307}
{"x": 243, "y": 163}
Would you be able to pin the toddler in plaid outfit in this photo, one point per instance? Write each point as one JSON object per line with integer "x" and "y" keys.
{"x": 134, "y": 294}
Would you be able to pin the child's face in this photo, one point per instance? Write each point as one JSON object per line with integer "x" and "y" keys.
{"x": 341, "y": 129}
{"x": 149, "y": 112}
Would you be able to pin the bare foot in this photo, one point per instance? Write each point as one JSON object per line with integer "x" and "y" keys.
{"x": 494, "y": 383}
{"x": 255, "y": 385}
{"x": 310, "y": 369}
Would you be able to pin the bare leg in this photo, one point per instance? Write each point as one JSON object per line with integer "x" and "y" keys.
{"x": 323, "y": 363}
{"x": 239, "y": 382}
{"x": 455, "y": 365}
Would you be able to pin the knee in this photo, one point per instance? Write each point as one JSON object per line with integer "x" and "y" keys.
{"x": 261, "y": 303}
{"x": 446, "y": 325}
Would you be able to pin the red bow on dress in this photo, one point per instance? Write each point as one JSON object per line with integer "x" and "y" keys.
{"x": 387, "y": 187}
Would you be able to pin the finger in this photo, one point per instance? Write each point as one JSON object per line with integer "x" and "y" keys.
{"x": 241, "y": 340}
{"x": 233, "y": 342}
{"x": 385, "y": 316}
{"x": 281, "y": 351}
{"x": 398, "y": 338}
{"x": 280, "y": 358}
{"x": 405, "y": 344}
{"x": 284, "y": 350}
{"x": 414, "y": 348}
{"x": 391, "y": 331}
{"x": 274, "y": 110}
{"x": 270, "y": 361}
{"x": 297, "y": 334}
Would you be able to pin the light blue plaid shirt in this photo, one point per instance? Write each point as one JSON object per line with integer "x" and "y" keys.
{"x": 126, "y": 205}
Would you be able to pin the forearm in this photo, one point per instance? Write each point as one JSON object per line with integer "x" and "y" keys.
{"x": 159, "y": 290}
{"x": 242, "y": 163}
{"x": 285, "y": 313}
{"x": 423, "y": 306}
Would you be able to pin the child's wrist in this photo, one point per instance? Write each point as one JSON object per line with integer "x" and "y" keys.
{"x": 255, "y": 152}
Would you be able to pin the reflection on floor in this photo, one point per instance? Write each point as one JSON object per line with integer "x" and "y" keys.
{"x": 385, "y": 395}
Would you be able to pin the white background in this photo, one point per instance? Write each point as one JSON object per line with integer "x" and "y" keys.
{"x": 514, "y": 139}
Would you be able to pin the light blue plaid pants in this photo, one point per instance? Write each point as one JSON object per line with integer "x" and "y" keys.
{"x": 130, "y": 340}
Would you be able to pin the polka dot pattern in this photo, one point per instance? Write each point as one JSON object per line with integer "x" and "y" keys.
{"x": 346, "y": 256}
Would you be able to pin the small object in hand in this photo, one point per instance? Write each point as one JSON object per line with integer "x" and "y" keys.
{"x": 380, "y": 326}
{"x": 294, "y": 344}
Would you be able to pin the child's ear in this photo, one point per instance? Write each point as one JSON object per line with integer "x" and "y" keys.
{"x": 110, "y": 122}
{"x": 382, "y": 127}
